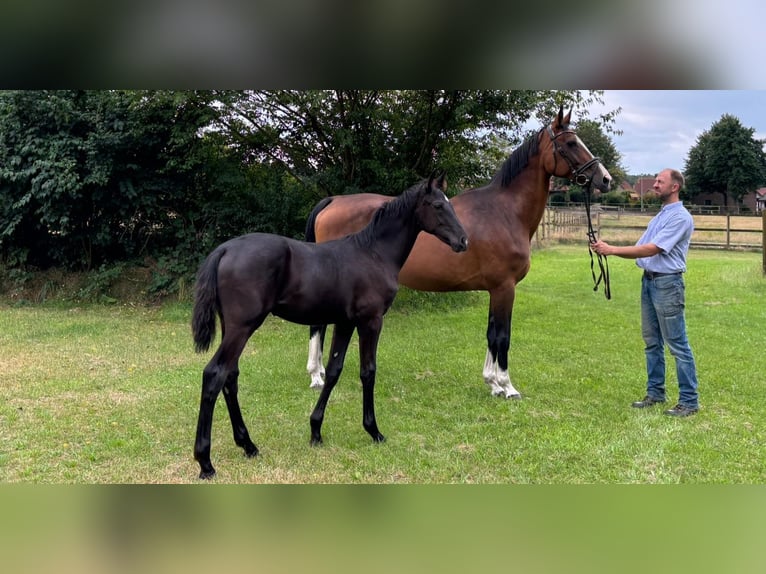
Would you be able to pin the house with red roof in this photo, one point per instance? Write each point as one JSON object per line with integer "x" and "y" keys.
{"x": 643, "y": 186}
{"x": 760, "y": 199}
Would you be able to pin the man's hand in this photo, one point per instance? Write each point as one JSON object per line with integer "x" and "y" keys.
{"x": 601, "y": 247}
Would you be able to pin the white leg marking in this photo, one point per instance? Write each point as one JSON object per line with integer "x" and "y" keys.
{"x": 314, "y": 365}
{"x": 490, "y": 376}
{"x": 498, "y": 380}
{"x": 505, "y": 382}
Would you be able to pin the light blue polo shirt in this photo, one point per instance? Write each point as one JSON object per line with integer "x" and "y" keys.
{"x": 670, "y": 230}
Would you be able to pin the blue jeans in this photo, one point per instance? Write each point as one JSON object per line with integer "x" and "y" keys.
{"x": 662, "y": 321}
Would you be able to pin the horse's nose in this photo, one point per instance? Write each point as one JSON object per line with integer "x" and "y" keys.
{"x": 463, "y": 243}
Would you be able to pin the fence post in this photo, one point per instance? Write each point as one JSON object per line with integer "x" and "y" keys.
{"x": 598, "y": 222}
{"x": 728, "y": 230}
{"x": 763, "y": 238}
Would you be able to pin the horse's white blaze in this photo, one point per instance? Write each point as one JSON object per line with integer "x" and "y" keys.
{"x": 314, "y": 365}
{"x": 601, "y": 173}
{"x": 581, "y": 144}
{"x": 497, "y": 379}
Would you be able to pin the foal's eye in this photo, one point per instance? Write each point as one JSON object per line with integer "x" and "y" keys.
{"x": 438, "y": 205}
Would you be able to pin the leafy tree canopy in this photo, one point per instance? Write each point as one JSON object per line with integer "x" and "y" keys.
{"x": 726, "y": 159}
{"x": 346, "y": 141}
{"x": 91, "y": 178}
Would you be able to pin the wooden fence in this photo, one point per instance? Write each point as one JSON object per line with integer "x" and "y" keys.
{"x": 624, "y": 227}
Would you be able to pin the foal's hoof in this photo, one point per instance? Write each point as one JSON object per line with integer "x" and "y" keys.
{"x": 514, "y": 396}
{"x": 316, "y": 441}
{"x": 379, "y": 438}
{"x": 207, "y": 474}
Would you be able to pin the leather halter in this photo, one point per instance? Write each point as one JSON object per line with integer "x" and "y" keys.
{"x": 577, "y": 174}
{"x": 583, "y": 176}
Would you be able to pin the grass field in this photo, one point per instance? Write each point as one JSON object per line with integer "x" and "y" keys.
{"x": 109, "y": 394}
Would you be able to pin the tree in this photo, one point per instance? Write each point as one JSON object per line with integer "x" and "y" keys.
{"x": 88, "y": 177}
{"x": 726, "y": 159}
{"x": 347, "y": 141}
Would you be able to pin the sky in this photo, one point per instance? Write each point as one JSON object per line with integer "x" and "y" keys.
{"x": 661, "y": 126}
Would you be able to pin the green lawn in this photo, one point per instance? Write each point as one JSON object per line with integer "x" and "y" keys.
{"x": 109, "y": 394}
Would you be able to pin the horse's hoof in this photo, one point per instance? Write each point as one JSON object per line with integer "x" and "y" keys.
{"x": 514, "y": 396}
{"x": 379, "y": 438}
{"x": 207, "y": 474}
{"x": 316, "y": 441}
{"x": 251, "y": 453}
{"x": 316, "y": 385}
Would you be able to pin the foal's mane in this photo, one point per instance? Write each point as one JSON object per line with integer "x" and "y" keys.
{"x": 518, "y": 160}
{"x": 395, "y": 209}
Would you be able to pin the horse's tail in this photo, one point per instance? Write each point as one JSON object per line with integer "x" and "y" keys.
{"x": 206, "y": 304}
{"x": 310, "y": 234}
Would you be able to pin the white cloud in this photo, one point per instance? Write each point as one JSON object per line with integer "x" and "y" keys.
{"x": 661, "y": 126}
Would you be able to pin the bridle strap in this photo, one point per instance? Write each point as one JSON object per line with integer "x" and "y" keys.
{"x": 577, "y": 174}
{"x": 603, "y": 264}
{"x": 580, "y": 175}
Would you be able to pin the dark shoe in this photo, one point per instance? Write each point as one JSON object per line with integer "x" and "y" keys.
{"x": 681, "y": 411}
{"x": 647, "y": 401}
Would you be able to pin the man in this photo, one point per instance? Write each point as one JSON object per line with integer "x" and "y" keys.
{"x": 661, "y": 253}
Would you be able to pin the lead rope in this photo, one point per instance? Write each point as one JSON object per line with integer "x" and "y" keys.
{"x": 603, "y": 264}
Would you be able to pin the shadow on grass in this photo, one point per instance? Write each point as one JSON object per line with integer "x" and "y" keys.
{"x": 411, "y": 301}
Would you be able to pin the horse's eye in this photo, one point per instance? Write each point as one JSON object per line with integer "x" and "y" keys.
{"x": 438, "y": 205}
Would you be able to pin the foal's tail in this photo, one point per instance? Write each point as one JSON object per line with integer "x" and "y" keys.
{"x": 310, "y": 234}
{"x": 206, "y": 304}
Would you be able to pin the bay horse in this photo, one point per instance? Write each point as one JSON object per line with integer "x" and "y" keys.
{"x": 500, "y": 218}
{"x": 349, "y": 282}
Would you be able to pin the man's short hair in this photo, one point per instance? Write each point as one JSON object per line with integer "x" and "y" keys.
{"x": 677, "y": 177}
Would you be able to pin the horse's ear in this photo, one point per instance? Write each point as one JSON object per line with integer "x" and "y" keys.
{"x": 560, "y": 117}
{"x": 438, "y": 180}
{"x": 562, "y": 121}
{"x": 441, "y": 182}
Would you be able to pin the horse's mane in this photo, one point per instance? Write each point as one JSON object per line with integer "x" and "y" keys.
{"x": 395, "y": 209}
{"x": 518, "y": 160}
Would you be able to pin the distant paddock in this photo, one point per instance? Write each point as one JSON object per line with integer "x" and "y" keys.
{"x": 621, "y": 226}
